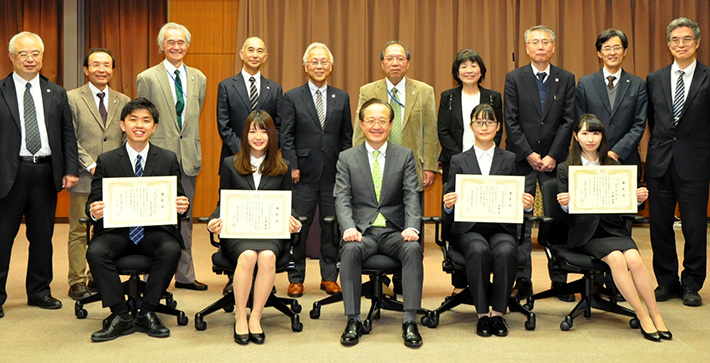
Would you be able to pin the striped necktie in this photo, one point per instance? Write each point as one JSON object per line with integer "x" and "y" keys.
{"x": 319, "y": 108}
{"x": 679, "y": 98}
{"x": 136, "y": 233}
{"x": 253, "y": 96}
{"x": 180, "y": 104}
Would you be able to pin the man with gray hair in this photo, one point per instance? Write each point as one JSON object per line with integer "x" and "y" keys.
{"x": 178, "y": 92}
{"x": 315, "y": 128}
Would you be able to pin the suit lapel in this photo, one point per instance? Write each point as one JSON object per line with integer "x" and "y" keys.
{"x": 411, "y": 100}
{"x": 241, "y": 89}
{"x": 153, "y": 160}
{"x": 381, "y": 91}
{"x": 113, "y": 108}
{"x": 699, "y": 77}
{"x": 471, "y": 161}
{"x": 124, "y": 162}
{"x": 530, "y": 87}
{"x": 621, "y": 89}
{"x": 364, "y": 164}
{"x": 10, "y": 95}
{"x": 552, "y": 83}
{"x": 88, "y": 98}
{"x": 666, "y": 86}
{"x": 600, "y": 88}
{"x": 456, "y": 108}
{"x": 264, "y": 92}
{"x": 330, "y": 102}
{"x": 161, "y": 75}
{"x": 497, "y": 161}
{"x": 308, "y": 101}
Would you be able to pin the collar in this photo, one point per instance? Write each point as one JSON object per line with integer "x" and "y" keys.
{"x": 480, "y": 152}
{"x": 401, "y": 86}
{"x": 689, "y": 70}
{"x": 19, "y": 81}
{"x": 256, "y": 162}
{"x": 171, "y": 68}
{"x": 313, "y": 88}
{"x": 607, "y": 74}
{"x": 382, "y": 149}
{"x": 95, "y": 91}
{"x": 586, "y": 162}
{"x": 257, "y": 76}
{"x": 536, "y": 71}
{"x": 132, "y": 154}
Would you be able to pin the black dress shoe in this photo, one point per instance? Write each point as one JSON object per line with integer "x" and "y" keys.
{"x": 411, "y": 336}
{"x": 498, "y": 326}
{"x": 691, "y": 297}
{"x": 195, "y": 285}
{"x": 257, "y": 338}
{"x": 666, "y": 335}
{"x": 654, "y": 337}
{"x": 353, "y": 332}
{"x": 665, "y": 293}
{"x": 563, "y": 297}
{"x": 522, "y": 289}
{"x": 150, "y": 324}
{"x": 241, "y": 339}
{"x": 114, "y": 329}
{"x": 47, "y": 302}
{"x": 483, "y": 327}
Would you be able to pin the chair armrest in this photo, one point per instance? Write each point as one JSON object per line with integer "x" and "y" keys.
{"x": 213, "y": 240}
{"x": 332, "y": 222}
{"x": 438, "y": 221}
{"x": 296, "y": 237}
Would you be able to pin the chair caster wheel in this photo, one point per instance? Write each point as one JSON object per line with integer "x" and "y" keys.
{"x": 200, "y": 323}
{"x": 228, "y": 308}
{"x": 315, "y": 313}
{"x": 634, "y": 323}
{"x": 431, "y": 319}
{"x": 79, "y": 310}
{"x": 296, "y": 324}
{"x": 531, "y": 322}
{"x": 182, "y": 319}
{"x": 296, "y": 307}
{"x": 367, "y": 326}
{"x": 566, "y": 325}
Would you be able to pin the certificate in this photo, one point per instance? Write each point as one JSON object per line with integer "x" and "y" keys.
{"x": 602, "y": 189}
{"x": 489, "y": 198}
{"x": 255, "y": 214}
{"x": 144, "y": 201}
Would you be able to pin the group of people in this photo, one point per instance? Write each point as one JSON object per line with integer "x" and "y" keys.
{"x": 370, "y": 174}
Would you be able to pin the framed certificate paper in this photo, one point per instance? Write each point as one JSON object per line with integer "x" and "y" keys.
{"x": 144, "y": 201}
{"x": 251, "y": 214}
{"x": 489, "y": 198}
{"x": 602, "y": 189}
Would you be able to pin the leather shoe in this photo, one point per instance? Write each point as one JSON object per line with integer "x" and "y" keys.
{"x": 79, "y": 291}
{"x": 241, "y": 339}
{"x": 483, "y": 327}
{"x": 114, "y": 329}
{"x": 353, "y": 331}
{"x": 411, "y": 336}
{"x": 257, "y": 338}
{"x": 295, "y": 289}
{"x": 667, "y": 335}
{"x": 91, "y": 285}
{"x": 665, "y": 293}
{"x": 563, "y": 297}
{"x": 691, "y": 297}
{"x": 654, "y": 337}
{"x": 330, "y": 287}
{"x": 499, "y": 326}
{"x": 195, "y": 285}
{"x": 150, "y": 324}
{"x": 46, "y": 302}
{"x": 522, "y": 289}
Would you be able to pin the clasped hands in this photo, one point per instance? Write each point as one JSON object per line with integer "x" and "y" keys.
{"x": 545, "y": 164}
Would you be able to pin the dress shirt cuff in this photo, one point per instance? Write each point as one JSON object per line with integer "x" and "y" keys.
{"x": 565, "y": 208}
{"x": 529, "y": 210}
{"x": 88, "y": 168}
{"x": 413, "y": 229}
{"x": 449, "y": 210}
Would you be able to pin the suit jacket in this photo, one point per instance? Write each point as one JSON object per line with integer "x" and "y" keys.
{"x": 688, "y": 143}
{"x": 503, "y": 163}
{"x": 625, "y": 123}
{"x": 308, "y": 147}
{"x": 418, "y": 122}
{"x": 116, "y": 164}
{"x": 529, "y": 128}
{"x": 356, "y": 204}
{"x": 92, "y": 137}
{"x": 60, "y": 131}
{"x": 233, "y": 107}
{"x": 154, "y": 84}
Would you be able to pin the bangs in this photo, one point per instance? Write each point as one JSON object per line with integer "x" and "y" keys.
{"x": 484, "y": 112}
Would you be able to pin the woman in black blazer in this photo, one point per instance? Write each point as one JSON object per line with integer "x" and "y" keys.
{"x": 605, "y": 236}
{"x": 257, "y": 166}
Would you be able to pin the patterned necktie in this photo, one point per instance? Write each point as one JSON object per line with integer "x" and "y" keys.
{"x": 180, "y": 104}
{"x": 253, "y": 96}
{"x": 136, "y": 233}
{"x": 541, "y": 76}
{"x": 679, "y": 98}
{"x": 319, "y": 108}
{"x": 396, "y": 134}
{"x": 380, "y": 220}
{"x": 102, "y": 107}
{"x": 32, "y": 140}
{"x": 610, "y": 85}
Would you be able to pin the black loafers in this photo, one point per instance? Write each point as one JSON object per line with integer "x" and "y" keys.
{"x": 150, "y": 324}
{"x": 353, "y": 332}
{"x": 46, "y": 302}
{"x": 411, "y": 336}
{"x": 115, "y": 328}
{"x": 483, "y": 327}
{"x": 195, "y": 285}
{"x": 498, "y": 326}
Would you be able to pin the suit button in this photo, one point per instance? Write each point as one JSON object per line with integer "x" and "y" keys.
{"x": 675, "y": 138}
{"x": 538, "y": 141}
{"x": 610, "y": 125}
{"x": 105, "y": 139}
{"x": 542, "y": 123}
{"x": 181, "y": 136}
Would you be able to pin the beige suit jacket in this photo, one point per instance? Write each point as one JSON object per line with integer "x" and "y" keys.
{"x": 153, "y": 84}
{"x": 419, "y": 128}
{"x": 92, "y": 137}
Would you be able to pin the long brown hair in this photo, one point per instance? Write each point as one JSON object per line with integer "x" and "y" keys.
{"x": 274, "y": 163}
{"x": 594, "y": 124}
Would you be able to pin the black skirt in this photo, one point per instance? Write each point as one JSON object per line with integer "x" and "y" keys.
{"x": 601, "y": 247}
{"x": 232, "y": 248}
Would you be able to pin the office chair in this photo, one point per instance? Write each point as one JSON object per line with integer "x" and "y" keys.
{"x": 377, "y": 267}
{"x": 552, "y": 236}
{"x": 133, "y": 266}
{"x": 222, "y": 265}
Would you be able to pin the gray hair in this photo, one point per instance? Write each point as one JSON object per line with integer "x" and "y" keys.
{"x": 16, "y": 37}
{"x": 176, "y": 26}
{"x": 247, "y": 39}
{"x": 539, "y": 28}
{"x": 395, "y": 42}
{"x": 682, "y": 22}
{"x": 315, "y": 45}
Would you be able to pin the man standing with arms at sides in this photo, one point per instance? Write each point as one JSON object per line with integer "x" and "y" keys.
{"x": 39, "y": 159}
{"x": 178, "y": 92}
{"x": 677, "y": 163}
{"x": 96, "y": 112}
{"x": 539, "y": 114}
{"x": 315, "y": 128}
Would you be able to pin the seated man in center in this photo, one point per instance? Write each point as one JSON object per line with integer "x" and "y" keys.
{"x": 377, "y": 206}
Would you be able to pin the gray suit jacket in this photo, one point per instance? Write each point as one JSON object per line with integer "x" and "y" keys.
{"x": 92, "y": 137}
{"x": 153, "y": 84}
{"x": 356, "y": 205}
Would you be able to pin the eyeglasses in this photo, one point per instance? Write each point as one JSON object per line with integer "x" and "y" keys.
{"x": 371, "y": 123}
{"x": 537, "y": 42}
{"x": 675, "y": 41}
{"x": 23, "y": 56}
{"x": 392, "y": 59}
{"x": 322, "y": 62}
{"x": 616, "y": 49}
{"x": 480, "y": 123}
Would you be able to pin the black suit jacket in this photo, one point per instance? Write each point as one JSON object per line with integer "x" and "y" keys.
{"x": 308, "y": 147}
{"x": 60, "y": 131}
{"x": 529, "y": 128}
{"x": 625, "y": 123}
{"x": 233, "y": 107}
{"x": 116, "y": 164}
{"x": 688, "y": 144}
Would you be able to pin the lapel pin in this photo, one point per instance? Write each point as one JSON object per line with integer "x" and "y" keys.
{"x": 49, "y": 90}
{"x": 267, "y": 87}
{"x": 557, "y": 79}
{"x": 627, "y": 81}
{"x": 332, "y": 96}
{"x": 554, "y": 97}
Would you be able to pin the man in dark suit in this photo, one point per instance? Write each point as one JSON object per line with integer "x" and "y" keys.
{"x": 677, "y": 163}
{"x": 315, "y": 128}
{"x": 39, "y": 159}
{"x": 377, "y": 205}
{"x": 136, "y": 158}
{"x": 539, "y": 113}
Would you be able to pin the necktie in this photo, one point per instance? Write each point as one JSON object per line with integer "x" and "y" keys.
{"x": 180, "y": 104}
{"x": 610, "y": 85}
{"x": 319, "y": 108}
{"x": 380, "y": 220}
{"x": 541, "y": 76}
{"x": 253, "y": 96}
{"x": 32, "y": 140}
{"x": 136, "y": 233}
{"x": 679, "y": 98}
{"x": 102, "y": 107}
{"x": 396, "y": 134}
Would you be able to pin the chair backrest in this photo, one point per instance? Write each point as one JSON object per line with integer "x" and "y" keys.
{"x": 553, "y": 232}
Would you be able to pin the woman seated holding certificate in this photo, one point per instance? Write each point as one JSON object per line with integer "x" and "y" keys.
{"x": 487, "y": 247}
{"x": 257, "y": 166}
{"x": 605, "y": 236}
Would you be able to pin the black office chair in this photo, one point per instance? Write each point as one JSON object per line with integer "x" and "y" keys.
{"x": 377, "y": 267}
{"x": 133, "y": 266}
{"x": 552, "y": 235}
{"x": 222, "y": 265}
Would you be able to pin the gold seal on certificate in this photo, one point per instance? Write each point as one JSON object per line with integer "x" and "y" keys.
{"x": 489, "y": 198}
{"x": 250, "y": 214}
{"x": 602, "y": 189}
{"x": 144, "y": 201}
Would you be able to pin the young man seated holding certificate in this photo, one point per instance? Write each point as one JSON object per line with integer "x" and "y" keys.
{"x": 487, "y": 247}
{"x": 136, "y": 158}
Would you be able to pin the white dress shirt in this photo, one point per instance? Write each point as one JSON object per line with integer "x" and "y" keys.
{"x": 36, "y": 92}
{"x": 687, "y": 77}
{"x": 256, "y": 165}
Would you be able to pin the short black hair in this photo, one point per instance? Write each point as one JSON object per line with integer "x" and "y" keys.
{"x": 484, "y": 111}
{"x": 375, "y": 101}
{"x": 140, "y": 104}
{"x": 604, "y": 36}
{"x": 99, "y": 50}
{"x": 468, "y": 55}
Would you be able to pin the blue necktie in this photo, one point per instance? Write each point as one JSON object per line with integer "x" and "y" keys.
{"x": 136, "y": 233}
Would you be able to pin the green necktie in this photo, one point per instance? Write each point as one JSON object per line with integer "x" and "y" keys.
{"x": 180, "y": 105}
{"x": 396, "y": 134}
{"x": 380, "y": 221}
